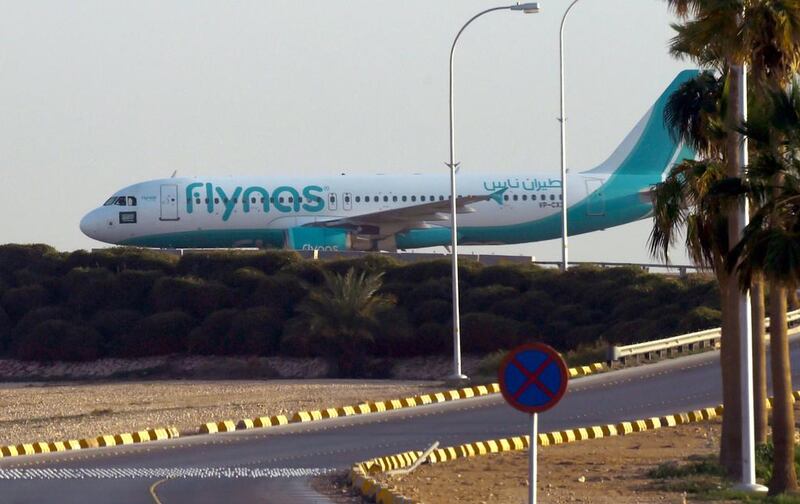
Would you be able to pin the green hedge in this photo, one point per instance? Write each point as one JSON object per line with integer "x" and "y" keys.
{"x": 129, "y": 302}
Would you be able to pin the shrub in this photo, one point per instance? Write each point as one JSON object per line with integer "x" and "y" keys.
{"x": 432, "y": 338}
{"x": 5, "y": 330}
{"x": 432, "y": 310}
{"x": 482, "y": 298}
{"x": 134, "y": 289}
{"x": 40, "y": 258}
{"x": 88, "y": 289}
{"x": 118, "y": 259}
{"x": 211, "y": 337}
{"x": 486, "y": 332}
{"x": 257, "y": 331}
{"x": 159, "y": 334}
{"x": 216, "y": 264}
{"x": 700, "y": 318}
{"x": 38, "y": 315}
{"x": 246, "y": 278}
{"x": 192, "y": 295}
{"x": 20, "y": 300}
{"x": 516, "y": 276}
{"x": 54, "y": 340}
{"x": 279, "y": 291}
{"x": 113, "y": 324}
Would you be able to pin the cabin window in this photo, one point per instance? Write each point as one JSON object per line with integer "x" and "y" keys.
{"x": 413, "y": 198}
{"x": 441, "y": 198}
{"x": 291, "y": 199}
{"x": 386, "y": 199}
{"x": 366, "y": 199}
{"x": 394, "y": 198}
{"x": 262, "y": 199}
{"x": 560, "y": 197}
{"x": 524, "y": 197}
{"x": 216, "y": 200}
{"x": 377, "y": 199}
{"x": 299, "y": 199}
{"x": 405, "y": 198}
{"x": 422, "y": 198}
{"x": 552, "y": 197}
{"x": 347, "y": 199}
{"x": 358, "y": 199}
{"x": 252, "y": 200}
{"x": 280, "y": 200}
{"x": 332, "y": 198}
{"x": 197, "y": 201}
{"x": 206, "y": 201}
{"x": 505, "y": 197}
{"x": 516, "y": 198}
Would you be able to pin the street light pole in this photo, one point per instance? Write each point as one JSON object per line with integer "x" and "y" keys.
{"x": 457, "y": 375}
{"x": 563, "y": 120}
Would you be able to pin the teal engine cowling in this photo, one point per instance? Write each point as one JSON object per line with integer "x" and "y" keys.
{"x": 318, "y": 238}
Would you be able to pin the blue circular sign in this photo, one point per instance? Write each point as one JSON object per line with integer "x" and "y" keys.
{"x": 533, "y": 377}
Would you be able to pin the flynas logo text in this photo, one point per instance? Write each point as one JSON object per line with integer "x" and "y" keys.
{"x": 284, "y": 199}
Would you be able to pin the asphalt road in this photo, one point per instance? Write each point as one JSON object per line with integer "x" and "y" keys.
{"x": 284, "y": 457}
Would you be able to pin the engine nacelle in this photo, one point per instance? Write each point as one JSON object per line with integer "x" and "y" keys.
{"x": 318, "y": 238}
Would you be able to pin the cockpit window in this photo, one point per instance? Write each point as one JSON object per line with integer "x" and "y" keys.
{"x": 120, "y": 201}
{"x": 110, "y": 201}
{"x": 131, "y": 201}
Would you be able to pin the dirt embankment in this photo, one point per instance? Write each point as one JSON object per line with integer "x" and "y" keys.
{"x": 49, "y": 412}
{"x": 604, "y": 471}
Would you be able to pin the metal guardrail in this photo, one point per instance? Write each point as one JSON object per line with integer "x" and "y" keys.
{"x": 679, "y": 344}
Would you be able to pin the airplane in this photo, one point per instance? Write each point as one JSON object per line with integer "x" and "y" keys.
{"x": 391, "y": 212}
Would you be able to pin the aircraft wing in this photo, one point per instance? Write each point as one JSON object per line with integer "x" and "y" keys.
{"x": 410, "y": 216}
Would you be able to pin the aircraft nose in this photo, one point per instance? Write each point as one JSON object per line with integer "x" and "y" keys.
{"x": 90, "y": 225}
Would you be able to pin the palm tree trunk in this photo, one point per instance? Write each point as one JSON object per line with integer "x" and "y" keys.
{"x": 759, "y": 359}
{"x": 784, "y": 478}
{"x": 731, "y": 437}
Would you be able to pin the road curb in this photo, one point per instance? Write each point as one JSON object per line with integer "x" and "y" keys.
{"x": 360, "y": 474}
{"x": 376, "y": 406}
{"x": 142, "y": 436}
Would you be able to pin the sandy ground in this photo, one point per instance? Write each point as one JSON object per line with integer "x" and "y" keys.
{"x": 50, "y": 412}
{"x": 612, "y": 470}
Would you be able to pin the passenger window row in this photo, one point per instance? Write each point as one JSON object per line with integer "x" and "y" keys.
{"x": 423, "y": 198}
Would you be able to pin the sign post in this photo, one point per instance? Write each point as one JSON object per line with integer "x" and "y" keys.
{"x": 533, "y": 378}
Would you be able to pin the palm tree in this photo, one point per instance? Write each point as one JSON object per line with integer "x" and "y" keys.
{"x": 771, "y": 247}
{"x": 341, "y": 318}
{"x": 727, "y": 34}
{"x": 695, "y": 115}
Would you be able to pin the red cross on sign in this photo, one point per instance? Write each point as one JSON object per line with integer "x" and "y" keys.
{"x": 533, "y": 377}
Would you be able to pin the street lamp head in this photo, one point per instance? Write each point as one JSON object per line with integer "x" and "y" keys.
{"x": 527, "y": 8}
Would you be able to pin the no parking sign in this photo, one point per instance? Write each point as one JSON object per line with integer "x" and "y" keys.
{"x": 533, "y": 378}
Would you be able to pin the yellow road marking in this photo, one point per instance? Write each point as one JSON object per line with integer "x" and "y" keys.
{"x": 153, "y": 490}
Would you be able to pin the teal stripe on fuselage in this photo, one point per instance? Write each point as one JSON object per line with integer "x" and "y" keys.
{"x": 211, "y": 238}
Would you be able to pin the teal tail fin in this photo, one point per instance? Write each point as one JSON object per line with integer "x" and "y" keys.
{"x": 649, "y": 149}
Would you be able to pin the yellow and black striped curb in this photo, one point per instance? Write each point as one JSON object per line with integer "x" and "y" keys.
{"x": 375, "y": 407}
{"x": 142, "y": 436}
{"x": 360, "y": 474}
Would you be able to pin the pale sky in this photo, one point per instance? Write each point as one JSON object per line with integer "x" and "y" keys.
{"x": 97, "y": 95}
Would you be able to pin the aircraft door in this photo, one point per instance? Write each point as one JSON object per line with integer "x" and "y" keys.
{"x": 347, "y": 201}
{"x": 596, "y": 203}
{"x": 332, "y": 204}
{"x": 169, "y": 202}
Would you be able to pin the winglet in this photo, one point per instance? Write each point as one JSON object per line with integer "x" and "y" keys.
{"x": 498, "y": 195}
